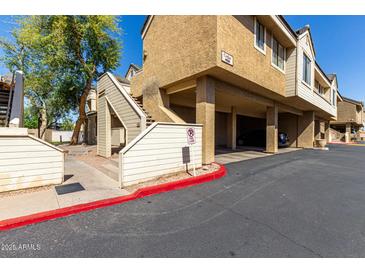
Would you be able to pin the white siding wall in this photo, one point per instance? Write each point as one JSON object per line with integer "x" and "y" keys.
{"x": 28, "y": 162}
{"x": 158, "y": 151}
{"x": 304, "y": 91}
{"x": 116, "y": 98}
{"x": 122, "y": 106}
{"x": 104, "y": 128}
{"x": 290, "y": 72}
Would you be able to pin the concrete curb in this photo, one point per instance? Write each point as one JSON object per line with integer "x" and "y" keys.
{"x": 341, "y": 143}
{"x": 140, "y": 193}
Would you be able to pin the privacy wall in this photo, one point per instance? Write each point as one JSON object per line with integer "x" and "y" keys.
{"x": 26, "y": 161}
{"x": 161, "y": 149}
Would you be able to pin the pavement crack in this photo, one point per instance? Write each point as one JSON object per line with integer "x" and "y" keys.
{"x": 281, "y": 234}
{"x": 267, "y": 226}
{"x": 278, "y": 232}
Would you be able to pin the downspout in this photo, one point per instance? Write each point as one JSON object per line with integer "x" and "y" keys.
{"x": 296, "y": 88}
{"x": 296, "y": 69}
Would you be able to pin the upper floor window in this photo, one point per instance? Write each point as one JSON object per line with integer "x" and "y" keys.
{"x": 319, "y": 88}
{"x": 306, "y": 69}
{"x": 260, "y": 36}
{"x": 278, "y": 54}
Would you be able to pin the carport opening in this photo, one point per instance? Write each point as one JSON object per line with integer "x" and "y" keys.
{"x": 251, "y": 132}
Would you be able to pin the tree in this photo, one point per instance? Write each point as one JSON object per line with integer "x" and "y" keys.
{"x": 67, "y": 124}
{"x": 77, "y": 49}
{"x": 48, "y": 96}
{"x": 70, "y": 52}
{"x": 30, "y": 120}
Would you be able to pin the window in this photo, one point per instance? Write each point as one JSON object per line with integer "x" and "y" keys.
{"x": 278, "y": 54}
{"x": 306, "y": 69}
{"x": 259, "y": 36}
{"x": 319, "y": 88}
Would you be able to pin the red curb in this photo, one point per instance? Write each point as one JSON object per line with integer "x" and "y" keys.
{"x": 140, "y": 193}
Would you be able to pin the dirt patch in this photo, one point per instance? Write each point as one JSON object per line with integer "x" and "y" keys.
{"x": 24, "y": 191}
{"x": 174, "y": 177}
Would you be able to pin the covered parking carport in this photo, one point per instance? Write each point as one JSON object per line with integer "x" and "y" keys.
{"x": 227, "y": 111}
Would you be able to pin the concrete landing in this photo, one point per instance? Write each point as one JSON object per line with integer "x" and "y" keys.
{"x": 226, "y": 156}
{"x": 97, "y": 186}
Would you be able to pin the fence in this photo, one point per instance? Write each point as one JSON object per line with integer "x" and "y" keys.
{"x": 160, "y": 149}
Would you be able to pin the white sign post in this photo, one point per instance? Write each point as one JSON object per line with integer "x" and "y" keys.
{"x": 190, "y": 134}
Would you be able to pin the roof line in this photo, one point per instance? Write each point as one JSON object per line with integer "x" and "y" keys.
{"x": 145, "y": 23}
{"x": 281, "y": 17}
{"x": 353, "y": 101}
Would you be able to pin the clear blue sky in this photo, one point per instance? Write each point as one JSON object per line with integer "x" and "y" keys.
{"x": 338, "y": 41}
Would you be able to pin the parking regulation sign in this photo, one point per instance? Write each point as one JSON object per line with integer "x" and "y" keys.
{"x": 190, "y": 134}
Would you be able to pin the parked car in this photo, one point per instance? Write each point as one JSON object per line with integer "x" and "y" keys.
{"x": 283, "y": 139}
{"x": 257, "y": 137}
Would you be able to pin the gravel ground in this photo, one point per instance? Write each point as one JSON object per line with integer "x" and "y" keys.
{"x": 174, "y": 177}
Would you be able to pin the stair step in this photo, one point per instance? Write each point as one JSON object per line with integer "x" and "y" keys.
{"x": 110, "y": 171}
{"x": 114, "y": 162}
{"x": 111, "y": 167}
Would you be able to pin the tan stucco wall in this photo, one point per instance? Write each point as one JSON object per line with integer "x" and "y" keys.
{"x": 185, "y": 47}
{"x": 306, "y": 130}
{"x": 236, "y": 36}
{"x": 348, "y": 112}
{"x": 221, "y": 127}
{"x": 185, "y": 113}
{"x": 176, "y": 47}
{"x": 288, "y": 124}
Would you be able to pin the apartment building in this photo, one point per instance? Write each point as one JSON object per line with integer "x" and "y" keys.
{"x": 350, "y": 119}
{"x": 233, "y": 74}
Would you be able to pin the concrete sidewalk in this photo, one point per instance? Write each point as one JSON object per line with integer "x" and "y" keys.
{"x": 227, "y": 156}
{"x": 97, "y": 186}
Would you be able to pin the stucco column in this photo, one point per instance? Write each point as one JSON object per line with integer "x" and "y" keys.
{"x": 272, "y": 129}
{"x": 317, "y": 129}
{"x": 232, "y": 129}
{"x": 327, "y": 131}
{"x": 306, "y": 129}
{"x": 347, "y": 133}
{"x": 205, "y": 115}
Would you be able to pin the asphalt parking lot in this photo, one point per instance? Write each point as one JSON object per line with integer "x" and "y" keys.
{"x": 306, "y": 203}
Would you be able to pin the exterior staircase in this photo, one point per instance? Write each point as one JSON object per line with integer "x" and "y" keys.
{"x": 115, "y": 99}
{"x": 139, "y": 102}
